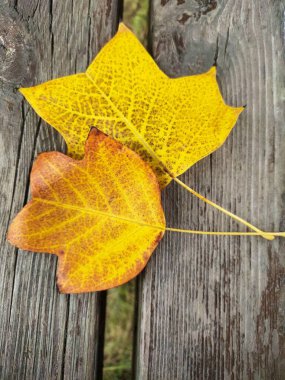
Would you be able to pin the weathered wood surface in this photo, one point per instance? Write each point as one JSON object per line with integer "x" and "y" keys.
{"x": 43, "y": 335}
{"x": 213, "y": 307}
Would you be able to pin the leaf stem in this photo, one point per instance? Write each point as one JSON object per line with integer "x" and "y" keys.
{"x": 265, "y": 235}
{"x": 219, "y": 233}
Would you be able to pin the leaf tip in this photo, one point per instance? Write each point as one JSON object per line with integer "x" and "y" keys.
{"x": 213, "y": 71}
{"x": 14, "y": 234}
{"x": 123, "y": 28}
{"x": 60, "y": 288}
{"x": 93, "y": 138}
{"x": 11, "y": 233}
{"x": 22, "y": 90}
{"x": 26, "y": 92}
{"x": 239, "y": 110}
{"x": 8, "y": 237}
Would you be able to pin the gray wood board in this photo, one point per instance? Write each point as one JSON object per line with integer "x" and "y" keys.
{"x": 213, "y": 307}
{"x": 43, "y": 335}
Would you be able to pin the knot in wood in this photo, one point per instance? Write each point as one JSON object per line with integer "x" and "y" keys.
{"x": 15, "y": 51}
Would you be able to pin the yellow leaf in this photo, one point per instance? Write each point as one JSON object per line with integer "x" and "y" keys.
{"x": 170, "y": 123}
{"x": 102, "y": 216}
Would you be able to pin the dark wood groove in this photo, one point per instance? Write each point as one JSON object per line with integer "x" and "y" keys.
{"x": 40, "y": 334}
{"x": 214, "y": 307}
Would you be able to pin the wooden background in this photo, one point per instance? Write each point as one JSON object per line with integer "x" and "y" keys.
{"x": 208, "y": 307}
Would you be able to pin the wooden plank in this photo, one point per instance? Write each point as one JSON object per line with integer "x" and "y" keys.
{"x": 213, "y": 307}
{"x": 43, "y": 334}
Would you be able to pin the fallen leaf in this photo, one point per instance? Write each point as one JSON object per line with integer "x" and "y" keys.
{"x": 170, "y": 123}
{"x": 102, "y": 215}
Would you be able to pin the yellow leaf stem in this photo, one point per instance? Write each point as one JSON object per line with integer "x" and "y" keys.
{"x": 266, "y": 235}
{"x": 224, "y": 233}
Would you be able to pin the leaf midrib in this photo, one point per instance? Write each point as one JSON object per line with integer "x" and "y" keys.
{"x": 88, "y": 210}
{"x": 131, "y": 127}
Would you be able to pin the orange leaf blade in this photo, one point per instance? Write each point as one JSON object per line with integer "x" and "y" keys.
{"x": 102, "y": 215}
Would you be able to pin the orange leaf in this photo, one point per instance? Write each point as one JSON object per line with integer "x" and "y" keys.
{"x": 102, "y": 215}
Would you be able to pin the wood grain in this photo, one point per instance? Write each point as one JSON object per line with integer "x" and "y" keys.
{"x": 213, "y": 307}
{"x": 43, "y": 335}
